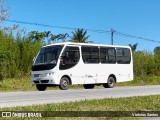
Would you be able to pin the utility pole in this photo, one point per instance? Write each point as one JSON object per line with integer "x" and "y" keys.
{"x": 112, "y": 33}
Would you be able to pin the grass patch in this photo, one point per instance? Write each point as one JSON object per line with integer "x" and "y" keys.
{"x": 142, "y": 80}
{"x": 21, "y": 84}
{"x": 141, "y": 103}
{"x": 24, "y": 84}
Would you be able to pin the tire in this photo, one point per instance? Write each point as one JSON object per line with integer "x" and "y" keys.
{"x": 64, "y": 83}
{"x": 110, "y": 83}
{"x": 88, "y": 86}
{"x": 41, "y": 87}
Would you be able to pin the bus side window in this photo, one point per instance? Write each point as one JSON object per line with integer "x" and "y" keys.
{"x": 90, "y": 54}
{"x": 112, "y": 55}
{"x": 70, "y": 57}
{"x": 103, "y": 55}
{"x": 107, "y": 55}
{"x": 123, "y": 56}
{"x": 86, "y": 54}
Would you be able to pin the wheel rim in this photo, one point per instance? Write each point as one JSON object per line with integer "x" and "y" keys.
{"x": 65, "y": 83}
{"x": 111, "y": 82}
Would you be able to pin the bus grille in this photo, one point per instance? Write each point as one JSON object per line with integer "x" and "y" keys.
{"x": 36, "y": 81}
{"x": 36, "y": 75}
{"x": 44, "y": 81}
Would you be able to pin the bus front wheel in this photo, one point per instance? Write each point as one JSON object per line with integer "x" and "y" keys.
{"x": 64, "y": 83}
{"x": 110, "y": 83}
{"x": 41, "y": 87}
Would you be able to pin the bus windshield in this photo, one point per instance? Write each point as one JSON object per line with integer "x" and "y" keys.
{"x": 48, "y": 55}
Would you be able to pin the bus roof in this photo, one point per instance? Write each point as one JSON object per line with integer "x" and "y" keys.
{"x": 91, "y": 44}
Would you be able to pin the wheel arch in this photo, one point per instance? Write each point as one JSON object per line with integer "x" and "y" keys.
{"x": 112, "y": 75}
{"x": 67, "y": 76}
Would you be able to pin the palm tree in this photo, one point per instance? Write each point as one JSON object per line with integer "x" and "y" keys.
{"x": 80, "y": 36}
{"x": 53, "y": 37}
{"x": 63, "y": 37}
{"x": 37, "y": 36}
{"x": 47, "y": 35}
{"x": 133, "y": 47}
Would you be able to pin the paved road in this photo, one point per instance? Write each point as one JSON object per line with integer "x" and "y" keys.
{"x": 11, "y": 99}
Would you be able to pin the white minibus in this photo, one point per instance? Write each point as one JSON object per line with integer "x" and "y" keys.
{"x": 65, "y": 64}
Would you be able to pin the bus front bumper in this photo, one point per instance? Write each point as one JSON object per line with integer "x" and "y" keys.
{"x": 44, "y": 80}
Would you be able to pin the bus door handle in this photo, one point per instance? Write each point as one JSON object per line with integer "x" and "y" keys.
{"x": 90, "y": 76}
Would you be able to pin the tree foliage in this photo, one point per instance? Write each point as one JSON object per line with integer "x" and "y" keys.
{"x": 3, "y": 11}
{"x": 58, "y": 37}
{"x": 42, "y": 36}
{"x": 157, "y": 58}
{"x": 144, "y": 63}
{"x": 17, "y": 53}
{"x": 156, "y": 49}
{"x": 80, "y": 36}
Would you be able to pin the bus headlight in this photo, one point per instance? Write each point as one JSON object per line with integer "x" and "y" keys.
{"x": 51, "y": 73}
{"x": 46, "y": 74}
{"x": 42, "y": 75}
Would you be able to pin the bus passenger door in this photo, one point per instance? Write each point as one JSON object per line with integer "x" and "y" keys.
{"x": 69, "y": 64}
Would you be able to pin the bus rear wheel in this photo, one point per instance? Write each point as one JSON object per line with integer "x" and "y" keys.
{"x": 88, "y": 86}
{"x": 110, "y": 83}
{"x": 64, "y": 83}
{"x": 41, "y": 87}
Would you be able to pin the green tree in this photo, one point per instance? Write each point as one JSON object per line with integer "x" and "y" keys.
{"x": 47, "y": 35}
{"x": 144, "y": 63}
{"x": 62, "y": 37}
{"x": 37, "y": 36}
{"x": 16, "y": 54}
{"x": 3, "y": 11}
{"x": 157, "y": 58}
{"x": 156, "y": 49}
{"x": 80, "y": 36}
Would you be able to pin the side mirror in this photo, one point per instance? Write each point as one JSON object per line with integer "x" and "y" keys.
{"x": 33, "y": 60}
